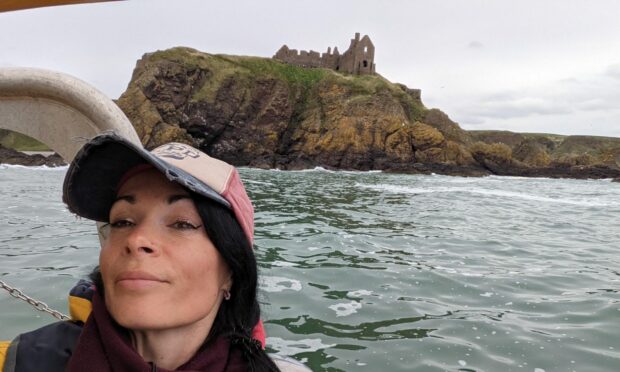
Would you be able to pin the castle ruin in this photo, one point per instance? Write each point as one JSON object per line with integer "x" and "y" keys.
{"x": 357, "y": 60}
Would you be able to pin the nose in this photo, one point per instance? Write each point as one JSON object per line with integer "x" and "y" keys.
{"x": 142, "y": 240}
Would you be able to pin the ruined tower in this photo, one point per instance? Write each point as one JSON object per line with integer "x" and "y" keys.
{"x": 359, "y": 58}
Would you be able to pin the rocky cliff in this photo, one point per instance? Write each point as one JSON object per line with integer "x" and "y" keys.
{"x": 263, "y": 113}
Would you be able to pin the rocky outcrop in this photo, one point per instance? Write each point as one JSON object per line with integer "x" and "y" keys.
{"x": 262, "y": 113}
{"x": 549, "y": 155}
{"x": 10, "y": 156}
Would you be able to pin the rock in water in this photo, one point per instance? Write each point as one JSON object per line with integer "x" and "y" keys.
{"x": 10, "y": 156}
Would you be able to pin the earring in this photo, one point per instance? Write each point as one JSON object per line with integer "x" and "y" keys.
{"x": 226, "y": 294}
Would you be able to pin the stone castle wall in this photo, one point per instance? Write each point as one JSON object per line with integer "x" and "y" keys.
{"x": 358, "y": 59}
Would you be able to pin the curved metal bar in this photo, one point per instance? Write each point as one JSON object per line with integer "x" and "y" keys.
{"x": 57, "y": 109}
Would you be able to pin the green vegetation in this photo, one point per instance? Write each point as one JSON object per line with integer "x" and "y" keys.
{"x": 305, "y": 78}
{"x": 551, "y": 136}
{"x": 20, "y": 142}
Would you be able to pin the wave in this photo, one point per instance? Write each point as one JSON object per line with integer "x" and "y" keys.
{"x": 279, "y": 284}
{"x": 321, "y": 169}
{"x": 292, "y": 347}
{"x": 315, "y": 169}
{"x": 255, "y": 182}
{"x": 480, "y": 191}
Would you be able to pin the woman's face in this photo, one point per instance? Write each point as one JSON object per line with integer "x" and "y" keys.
{"x": 159, "y": 268}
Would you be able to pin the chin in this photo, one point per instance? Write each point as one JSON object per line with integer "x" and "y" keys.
{"x": 146, "y": 314}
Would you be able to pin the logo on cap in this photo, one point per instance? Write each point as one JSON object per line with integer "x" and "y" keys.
{"x": 176, "y": 151}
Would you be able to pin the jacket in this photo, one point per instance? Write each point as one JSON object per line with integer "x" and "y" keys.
{"x": 50, "y": 347}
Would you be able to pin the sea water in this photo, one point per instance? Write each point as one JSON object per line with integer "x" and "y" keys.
{"x": 382, "y": 272}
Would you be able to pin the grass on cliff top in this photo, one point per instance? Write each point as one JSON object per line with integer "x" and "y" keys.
{"x": 497, "y": 135}
{"x": 293, "y": 75}
{"x": 20, "y": 142}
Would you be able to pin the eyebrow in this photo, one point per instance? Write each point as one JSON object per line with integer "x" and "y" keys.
{"x": 132, "y": 199}
{"x": 128, "y": 198}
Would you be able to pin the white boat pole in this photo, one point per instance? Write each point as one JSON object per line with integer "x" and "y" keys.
{"x": 57, "y": 109}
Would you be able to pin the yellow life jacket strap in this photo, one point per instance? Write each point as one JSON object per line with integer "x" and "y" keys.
{"x": 79, "y": 308}
{"x": 4, "y": 346}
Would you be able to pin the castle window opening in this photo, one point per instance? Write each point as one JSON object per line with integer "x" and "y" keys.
{"x": 365, "y": 49}
{"x": 365, "y": 63}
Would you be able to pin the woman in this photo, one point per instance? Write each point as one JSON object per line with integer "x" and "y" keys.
{"x": 177, "y": 278}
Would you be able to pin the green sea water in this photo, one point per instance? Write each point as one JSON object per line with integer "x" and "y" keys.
{"x": 382, "y": 272}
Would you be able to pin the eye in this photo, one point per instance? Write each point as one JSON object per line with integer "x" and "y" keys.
{"x": 184, "y": 225}
{"x": 119, "y": 224}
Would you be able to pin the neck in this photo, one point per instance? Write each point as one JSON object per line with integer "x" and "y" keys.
{"x": 171, "y": 348}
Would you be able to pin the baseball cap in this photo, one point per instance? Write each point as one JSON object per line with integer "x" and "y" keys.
{"x": 95, "y": 173}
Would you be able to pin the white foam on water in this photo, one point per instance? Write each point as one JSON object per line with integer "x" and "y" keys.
{"x": 292, "y": 347}
{"x": 258, "y": 182}
{"x": 346, "y": 308}
{"x": 466, "y": 180}
{"x": 446, "y": 269}
{"x": 315, "y": 169}
{"x": 321, "y": 169}
{"x": 475, "y": 275}
{"x": 480, "y": 191}
{"x": 284, "y": 264}
{"x": 279, "y": 284}
{"x": 359, "y": 172}
{"x": 359, "y": 293}
{"x": 501, "y": 178}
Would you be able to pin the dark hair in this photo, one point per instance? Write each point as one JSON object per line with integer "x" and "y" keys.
{"x": 236, "y": 317}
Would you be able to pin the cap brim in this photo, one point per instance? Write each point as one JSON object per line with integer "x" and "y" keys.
{"x": 91, "y": 182}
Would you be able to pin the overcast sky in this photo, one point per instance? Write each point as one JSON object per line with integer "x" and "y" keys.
{"x": 526, "y": 65}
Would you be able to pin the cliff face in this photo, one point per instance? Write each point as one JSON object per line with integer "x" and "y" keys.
{"x": 263, "y": 113}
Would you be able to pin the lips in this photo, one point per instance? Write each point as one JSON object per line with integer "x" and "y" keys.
{"x": 138, "y": 280}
